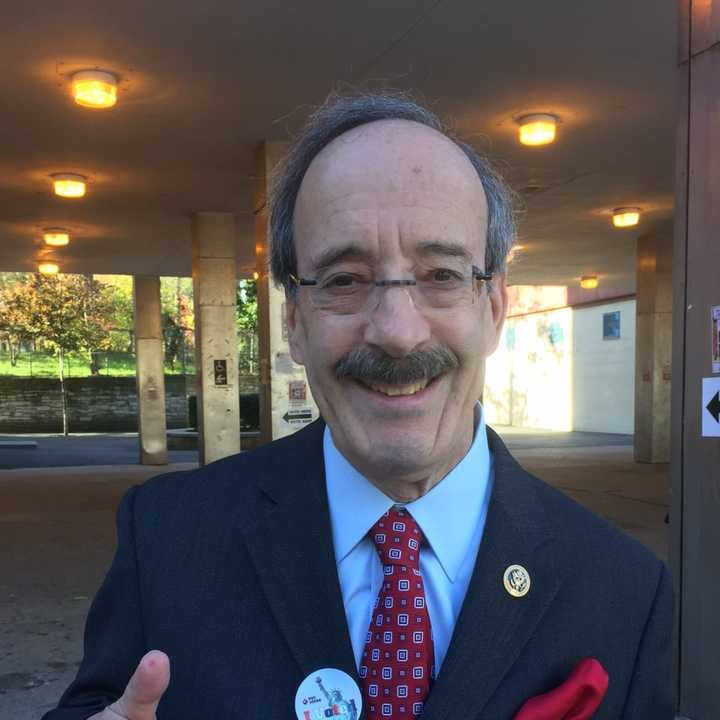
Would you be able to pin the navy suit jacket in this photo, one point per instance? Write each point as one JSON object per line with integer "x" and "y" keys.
{"x": 230, "y": 570}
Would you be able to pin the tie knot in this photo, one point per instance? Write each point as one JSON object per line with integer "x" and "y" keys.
{"x": 397, "y": 539}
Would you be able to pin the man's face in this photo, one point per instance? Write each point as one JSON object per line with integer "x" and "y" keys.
{"x": 386, "y": 192}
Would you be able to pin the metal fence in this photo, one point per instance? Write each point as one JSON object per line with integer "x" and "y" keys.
{"x": 44, "y": 364}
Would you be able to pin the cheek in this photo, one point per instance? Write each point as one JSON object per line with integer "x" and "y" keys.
{"x": 465, "y": 336}
{"x": 327, "y": 340}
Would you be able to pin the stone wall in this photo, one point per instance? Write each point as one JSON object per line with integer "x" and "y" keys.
{"x": 95, "y": 404}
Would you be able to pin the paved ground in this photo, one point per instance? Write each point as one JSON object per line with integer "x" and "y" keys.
{"x": 57, "y": 536}
{"x": 78, "y": 450}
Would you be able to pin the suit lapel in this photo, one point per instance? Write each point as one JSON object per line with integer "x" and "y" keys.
{"x": 292, "y": 551}
{"x": 493, "y": 627}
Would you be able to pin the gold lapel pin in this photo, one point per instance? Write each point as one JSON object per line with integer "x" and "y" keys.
{"x": 516, "y": 580}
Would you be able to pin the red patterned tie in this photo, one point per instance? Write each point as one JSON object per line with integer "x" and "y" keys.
{"x": 397, "y": 662}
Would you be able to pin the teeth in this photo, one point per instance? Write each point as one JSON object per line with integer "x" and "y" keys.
{"x": 393, "y": 390}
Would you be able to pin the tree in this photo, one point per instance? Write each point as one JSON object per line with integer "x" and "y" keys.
{"x": 246, "y": 300}
{"x": 68, "y": 313}
{"x": 119, "y": 289}
{"x": 14, "y": 313}
{"x": 178, "y": 322}
{"x": 246, "y": 297}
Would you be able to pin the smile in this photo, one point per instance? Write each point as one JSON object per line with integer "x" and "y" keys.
{"x": 393, "y": 390}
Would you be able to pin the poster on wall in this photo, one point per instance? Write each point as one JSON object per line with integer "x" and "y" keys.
{"x": 297, "y": 393}
{"x": 611, "y": 325}
{"x": 715, "y": 337}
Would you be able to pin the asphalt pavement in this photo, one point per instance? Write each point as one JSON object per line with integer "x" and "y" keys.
{"x": 78, "y": 450}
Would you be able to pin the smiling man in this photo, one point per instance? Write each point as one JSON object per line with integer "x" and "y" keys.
{"x": 391, "y": 221}
{"x": 395, "y": 539}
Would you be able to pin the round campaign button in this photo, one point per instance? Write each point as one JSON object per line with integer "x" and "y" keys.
{"x": 328, "y": 693}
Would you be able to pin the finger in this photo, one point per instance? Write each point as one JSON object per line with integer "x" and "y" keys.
{"x": 146, "y": 687}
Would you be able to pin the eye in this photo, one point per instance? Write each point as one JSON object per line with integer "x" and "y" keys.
{"x": 443, "y": 275}
{"x": 342, "y": 283}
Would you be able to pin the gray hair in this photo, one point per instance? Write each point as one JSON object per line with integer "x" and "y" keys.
{"x": 343, "y": 112}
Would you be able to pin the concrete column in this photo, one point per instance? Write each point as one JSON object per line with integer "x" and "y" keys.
{"x": 695, "y": 465}
{"x": 286, "y": 404}
{"x": 653, "y": 348}
{"x": 150, "y": 371}
{"x": 214, "y": 288}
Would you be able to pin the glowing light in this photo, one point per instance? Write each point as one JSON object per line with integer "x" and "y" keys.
{"x": 94, "y": 89}
{"x": 69, "y": 185}
{"x": 626, "y": 217}
{"x": 538, "y": 129}
{"x": 256, "y": 275}
{"x": 588, "y": 282}
{"x": 57, "y": 237}
{"x": 48, "y": 268}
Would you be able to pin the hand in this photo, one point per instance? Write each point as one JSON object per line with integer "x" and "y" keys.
{"x": 143, "y": 692}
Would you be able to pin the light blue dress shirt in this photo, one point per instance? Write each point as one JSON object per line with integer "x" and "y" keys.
{"x": 452, "y": 517}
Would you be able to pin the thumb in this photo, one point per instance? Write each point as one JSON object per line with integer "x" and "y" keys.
{"x": 146, "y": 687}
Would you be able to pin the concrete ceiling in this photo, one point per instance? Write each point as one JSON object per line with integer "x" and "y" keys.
{"x": 203, "y": 83}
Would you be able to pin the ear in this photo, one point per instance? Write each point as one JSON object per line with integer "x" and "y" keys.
{"x": 296, "y": 332}
{"x": 498, "y": 296}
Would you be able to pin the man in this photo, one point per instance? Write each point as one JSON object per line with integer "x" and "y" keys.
{"x": 399, "y": 542}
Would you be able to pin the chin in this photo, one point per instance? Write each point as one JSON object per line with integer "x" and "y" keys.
{"x": 400, "y": 455}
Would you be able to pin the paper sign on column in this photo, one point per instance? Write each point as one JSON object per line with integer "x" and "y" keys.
{"x": 710, "y": 407}
{"x": 715, "y": 337}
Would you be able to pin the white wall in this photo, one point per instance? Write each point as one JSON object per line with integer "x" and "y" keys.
{"x": 527, "y": 379}
{"x": 604, "y": 371}
{"x": 553, "y": 370}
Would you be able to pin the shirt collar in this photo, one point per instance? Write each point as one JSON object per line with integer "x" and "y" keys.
{"x": 448, "y": 515}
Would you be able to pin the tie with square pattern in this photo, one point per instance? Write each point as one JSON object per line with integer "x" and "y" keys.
{"x": 397, "y": 662}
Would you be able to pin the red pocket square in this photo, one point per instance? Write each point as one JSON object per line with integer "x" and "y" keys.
{"x": 576, "y": 699}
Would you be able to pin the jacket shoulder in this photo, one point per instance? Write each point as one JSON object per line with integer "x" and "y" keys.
{"x": 234, "y": 484}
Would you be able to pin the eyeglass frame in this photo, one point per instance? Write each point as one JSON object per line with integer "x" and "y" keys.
{"x": 477, "y": 274}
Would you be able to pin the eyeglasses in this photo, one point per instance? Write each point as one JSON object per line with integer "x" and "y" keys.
{"x": 350, "y": 293}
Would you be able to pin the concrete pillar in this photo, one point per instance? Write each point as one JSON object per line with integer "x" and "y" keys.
{"x": 286, "y": 404}
{"x": 214, "y": 288}
{"x": 695, "y": 466}
{"x": 653, "y": 348}
{"x": 150, "y": 373}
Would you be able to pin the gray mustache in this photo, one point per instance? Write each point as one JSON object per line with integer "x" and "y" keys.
{"x": 364, "y": 364}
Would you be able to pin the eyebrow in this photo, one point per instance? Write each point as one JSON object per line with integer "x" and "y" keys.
{"x": 445, "y": 248}
{"x": 329, "y": 257}
{"x": 333, "y": 255}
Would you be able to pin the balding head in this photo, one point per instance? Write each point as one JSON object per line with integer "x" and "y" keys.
{"x": 387, "y": 163}
{"x": 342, "y": 114}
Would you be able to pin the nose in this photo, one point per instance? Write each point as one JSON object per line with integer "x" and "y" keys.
{"x": 395, "y": 325}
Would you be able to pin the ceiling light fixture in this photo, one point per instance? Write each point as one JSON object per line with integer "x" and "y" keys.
{"x": 94, "y": 89}
{"x": 57, "y": 237}
{"x": 48, "y": 268}
{"x": 626, "y": 217}
{"x": 537, "y": 129}
{"x": 589, "y": 282}
{"x": 69, "y": 185}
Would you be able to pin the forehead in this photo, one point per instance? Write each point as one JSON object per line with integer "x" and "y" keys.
{"x": 390, "y": 183}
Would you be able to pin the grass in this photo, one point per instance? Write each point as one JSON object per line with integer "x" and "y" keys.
{"x": 116, "y": 364}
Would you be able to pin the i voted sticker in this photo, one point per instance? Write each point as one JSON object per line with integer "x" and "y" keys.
{"x": 328, "y": 693}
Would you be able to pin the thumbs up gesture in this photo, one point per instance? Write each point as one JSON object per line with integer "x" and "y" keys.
{"x": 143, "y": 692}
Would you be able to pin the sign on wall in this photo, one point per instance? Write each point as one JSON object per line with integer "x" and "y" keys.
{"x": 220, "y": 372}
{"x": 710, "y": 407}
{"x": 611, "y": 325}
